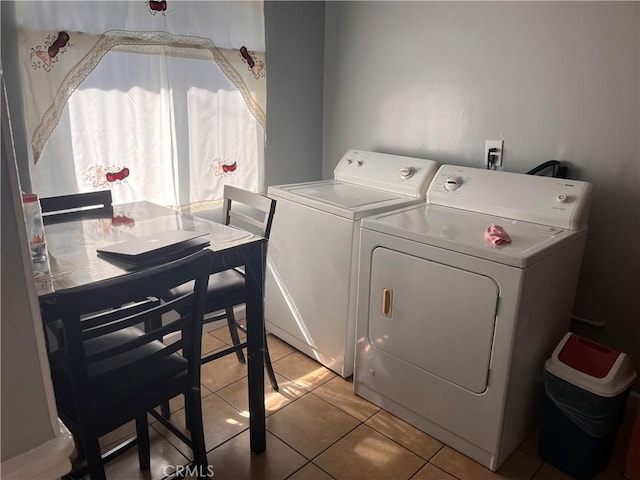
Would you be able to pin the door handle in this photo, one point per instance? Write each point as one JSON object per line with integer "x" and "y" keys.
{"x": 387, "y": 302}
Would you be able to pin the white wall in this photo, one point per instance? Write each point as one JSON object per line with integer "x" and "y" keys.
{"x": 554, "y": 80}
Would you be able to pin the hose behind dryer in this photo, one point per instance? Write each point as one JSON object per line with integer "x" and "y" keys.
{"x": 559, "y": 170}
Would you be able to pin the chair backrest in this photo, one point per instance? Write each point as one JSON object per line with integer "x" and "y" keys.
{"x": 248, "y": 210}
{"x": 89, "y": 321}
{"x": 65, "y": 208}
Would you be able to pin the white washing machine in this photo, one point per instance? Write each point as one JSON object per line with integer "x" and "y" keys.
{"x": 313, "y": 249}
{"x": 452, "y": 333}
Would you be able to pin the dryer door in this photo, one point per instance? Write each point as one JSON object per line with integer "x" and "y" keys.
{"x": 436, "y": 317}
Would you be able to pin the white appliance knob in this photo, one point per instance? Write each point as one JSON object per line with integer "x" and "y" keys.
{"x": 359, "y": 163}
{"x": 452, "y": 183}
{"x": 407, "y": 172}
{"x": 349, "y": 161}
{"x": 562, "y": 198}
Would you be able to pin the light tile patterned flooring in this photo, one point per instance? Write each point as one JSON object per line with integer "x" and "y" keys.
{"x": 318, "y": 429}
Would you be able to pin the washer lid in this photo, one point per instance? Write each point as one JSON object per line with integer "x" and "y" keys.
{"x": 340, "y": 198}
{"x": 463, "y": 231}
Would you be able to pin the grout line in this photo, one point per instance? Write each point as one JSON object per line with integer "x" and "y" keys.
{"x": 227, "y": 441}
{"x": 307, "y": 389}
{"x": 228, "y": 403}
{"x": 273, "y": 362}
{"x": 419, "y": 468}
{"x": 173, "y": 444}
{"x": 296, "y": 471}
{"x": 328, "y": 446}
{"x": 427, "y": 460}
{"x": 334, "y": 406}
{"x": 538, "y": 469}
{"x": 310, "y": 462}
{"x": 442, "y": 445}
{"x": 283, "y": 441}
{"x": 319, "y": 467}
{"x": 442, "y": 470}
{"x": 241, "y": 411}
{"x": 337, "y": 440}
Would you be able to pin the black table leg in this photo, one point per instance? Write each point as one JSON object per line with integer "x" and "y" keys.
{"x": 254, "y": 282}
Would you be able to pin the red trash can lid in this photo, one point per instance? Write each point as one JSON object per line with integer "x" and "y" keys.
{"x": 591, "y": 366}
{"x": 588, "y": 356}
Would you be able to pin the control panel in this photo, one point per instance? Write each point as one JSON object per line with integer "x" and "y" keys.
{"x": 549, "y": 201}
{"x": 393, "y": 173}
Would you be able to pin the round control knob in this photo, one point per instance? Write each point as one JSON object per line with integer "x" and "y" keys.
{"x": 407, "y": 172}
{"x": 349, "y": 161}
{"x": 452, "y": 183}
{"x": 360, "y": 162}
{"x": 562, "y": 198}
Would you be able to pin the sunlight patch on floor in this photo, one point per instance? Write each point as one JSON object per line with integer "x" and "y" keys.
{"x": 376, "y": 452}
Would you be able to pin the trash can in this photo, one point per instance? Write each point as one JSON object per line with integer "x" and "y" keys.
{"x": 586, "y": 390}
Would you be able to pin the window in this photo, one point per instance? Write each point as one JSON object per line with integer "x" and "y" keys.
{"x": 152, "y": 115}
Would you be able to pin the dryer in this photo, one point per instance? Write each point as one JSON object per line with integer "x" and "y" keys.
{"x": 313, "y": 249}
{"x": 452, "y": 333}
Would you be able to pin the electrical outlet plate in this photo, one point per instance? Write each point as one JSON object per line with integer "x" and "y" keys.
{"x": 499, "y": 144}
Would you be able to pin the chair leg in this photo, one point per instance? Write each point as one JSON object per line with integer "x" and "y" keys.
{"x": 233, "y": 330}
{"x": 267, "y": 356}
{"x": 165, "y": 411}
{"x": 268, "y": 365}
{"x": 193, "y": 417}
{"x": 188, "y": 401}
{"x": 151, "y": 325}
{"x": 79, "y": 446}
{"x": 91, "y": 447}
{"x": 142, "y": 434}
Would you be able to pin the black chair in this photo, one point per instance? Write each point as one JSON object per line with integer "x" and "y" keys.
{"x": 66, "y": 208}
{"x": 252, "y": 212}
{"x": 114, "y": 367}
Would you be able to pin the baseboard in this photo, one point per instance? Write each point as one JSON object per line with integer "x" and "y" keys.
{"x": 48, "y": 461}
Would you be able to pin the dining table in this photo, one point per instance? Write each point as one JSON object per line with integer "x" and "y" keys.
{"x": 72, "y": 260}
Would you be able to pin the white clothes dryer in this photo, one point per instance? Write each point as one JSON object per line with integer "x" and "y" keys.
{"x": 313, "y": 249}
{"x": 452, "y": 333}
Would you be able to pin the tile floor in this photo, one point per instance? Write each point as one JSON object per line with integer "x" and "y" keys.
{"x": 318, "y": 429}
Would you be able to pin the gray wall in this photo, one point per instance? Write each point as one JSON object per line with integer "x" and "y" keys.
{"x": 294, "y": 35}
{"x": 561, "y": 81}
{"x": 554, "y": 80}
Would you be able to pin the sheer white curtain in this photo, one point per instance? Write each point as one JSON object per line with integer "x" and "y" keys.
{"x": 161, "y": 105}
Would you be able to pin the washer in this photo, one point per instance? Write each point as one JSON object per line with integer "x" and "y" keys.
{"x": 313, "y": 249}
{"x": 452, "y": 333}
